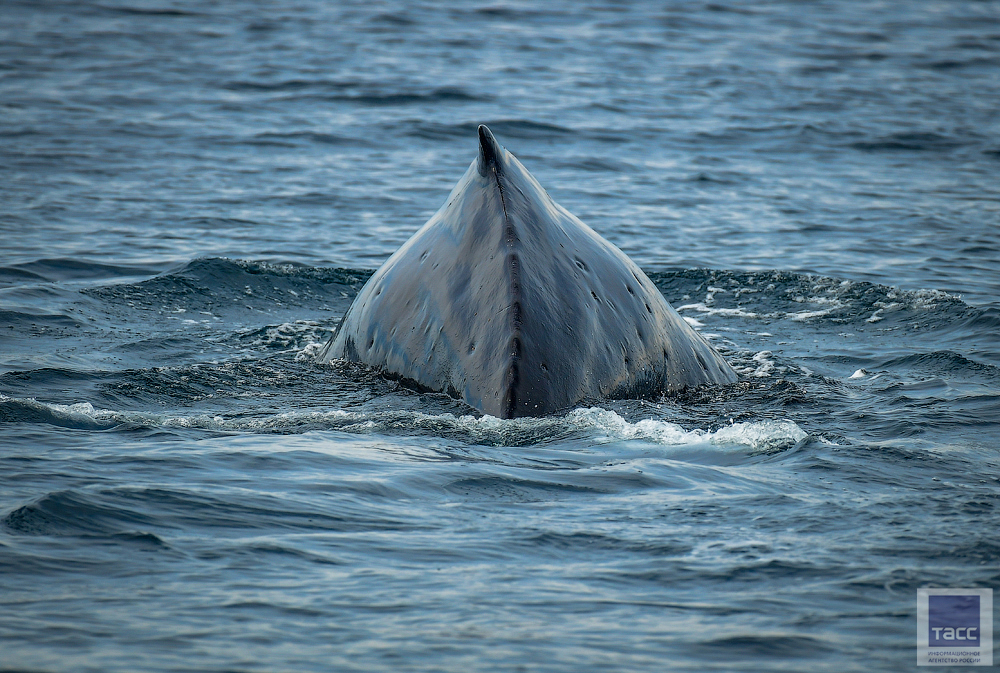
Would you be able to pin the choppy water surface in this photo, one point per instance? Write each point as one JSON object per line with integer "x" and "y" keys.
{"x": 192, "y": 193}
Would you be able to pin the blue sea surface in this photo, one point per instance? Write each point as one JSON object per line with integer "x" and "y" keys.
{"x": 191, "y": 194}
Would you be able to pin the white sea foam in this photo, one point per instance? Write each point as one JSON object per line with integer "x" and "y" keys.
{"x": 82, "y": 415}
{"x": 765, "y": 365}
{"x": 701, "y": 307}
{"x": 602, "y": 425}
{"x": 288, "y": 337}
{"x": 831, "y": 304}
{"x": 756, "y": 435}
{"x": 808, "y": 315}
{"x": 924, "y": 299}
{"x": 310, "y": 351}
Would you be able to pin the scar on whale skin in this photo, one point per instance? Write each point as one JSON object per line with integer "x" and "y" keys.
{"x": 507, "y": 301}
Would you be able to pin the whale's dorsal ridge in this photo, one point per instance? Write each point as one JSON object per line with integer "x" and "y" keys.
{"x": 490, "y": 151}
{"x": 511, "y": 303}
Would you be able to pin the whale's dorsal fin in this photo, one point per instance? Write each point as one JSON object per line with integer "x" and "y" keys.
{"x": 490, "y": 151}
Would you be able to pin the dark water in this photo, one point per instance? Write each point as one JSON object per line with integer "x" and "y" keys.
{"x": 191, "y": 193}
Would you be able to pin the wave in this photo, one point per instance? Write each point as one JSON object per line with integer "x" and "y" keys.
{"x": 221, "y": 286}
{"x": 71, "y": 512}
{"x": 240, "y": 337}
{"x": 512, "y": 128}
{"x": 769, "y": 296}
{"x": 63, "y": 268}
{"x": 594, "y": 423}
{"x": 912, "y": 142}
{"x": 127, "y": 514}
{"x": 74, "y": 416}
{"x": 148, "y": 11}
{"x": 20, "y": 320}
{"x": 354, "y": 91}
{"x": 749, "y": 296}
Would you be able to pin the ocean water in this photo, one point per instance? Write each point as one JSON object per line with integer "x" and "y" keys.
{"x": 191, "y": 193}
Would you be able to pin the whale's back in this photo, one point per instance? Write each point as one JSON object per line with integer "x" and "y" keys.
{"x": 506, "y": 300}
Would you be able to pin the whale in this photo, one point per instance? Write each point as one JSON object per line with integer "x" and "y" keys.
{"x": 508, "y": 302}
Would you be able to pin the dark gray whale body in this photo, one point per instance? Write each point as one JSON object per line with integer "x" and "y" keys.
{"x": 507, "y": 301}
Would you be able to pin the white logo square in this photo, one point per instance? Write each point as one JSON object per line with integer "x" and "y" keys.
{"x": 954, "y": 627}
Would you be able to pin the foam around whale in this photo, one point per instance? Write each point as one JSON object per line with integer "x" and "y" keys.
{"x": 507, "y": 301}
